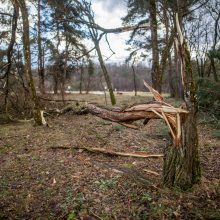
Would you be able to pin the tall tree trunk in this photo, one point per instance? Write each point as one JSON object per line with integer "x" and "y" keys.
{"x": 181, "y": 162}
{"x": 134, "y": 79}
{"x": 88, "y": 84}
{"x": 105, "y": 72}
{"x": 212, "y": 61}
{"x": 156, "y": 74}
{"x": 166, "y": 52}
{"x": 64, "y": 74}
{"x": 55, "y": 82}
{"x": 202, "y": 68}
{"x": 171, "y": 77}
{"x": 27, "y": 56}
{"x": 40, "y": 53}
{"x": 10, "y": 51}
{"x": 81, "y": 79}
{"x": 198, "y": 67}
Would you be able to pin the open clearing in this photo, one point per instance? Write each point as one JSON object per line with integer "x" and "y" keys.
{"x": 40, "y": 179}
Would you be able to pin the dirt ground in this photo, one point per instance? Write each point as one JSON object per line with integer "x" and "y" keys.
{"x": 40, "y": 179}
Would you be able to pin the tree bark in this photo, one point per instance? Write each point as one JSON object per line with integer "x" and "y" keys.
{"x": 105, "y": 72}
{"x": 156, "y": 74}
{"x": 212, "y": 62}
{"x": 10, "y": 50}
{"x": 81, "y": 79}
{"x": 88, "y": 84}
{"x": 40, "y": 53}
{"x": 55, "y": 82}
{"x": 27, "y": 55}
{"x": 171, "y": 77}
{"x": 181, "y": 163}
{"x": 134, "y": 79}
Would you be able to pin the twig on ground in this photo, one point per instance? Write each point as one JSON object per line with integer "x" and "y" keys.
{"x": 151, "y": 172}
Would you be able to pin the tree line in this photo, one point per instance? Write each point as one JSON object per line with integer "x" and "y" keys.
{"x": 58, "y": 30}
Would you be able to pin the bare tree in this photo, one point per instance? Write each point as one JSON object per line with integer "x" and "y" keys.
{"x": 10, "y": 51}
{"x": 27, "y": 54}
{"x": 41, "y": 73}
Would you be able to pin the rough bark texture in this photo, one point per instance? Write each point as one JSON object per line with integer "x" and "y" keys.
{"x": 27, "y": 55}
{"x": 181, "y": 163}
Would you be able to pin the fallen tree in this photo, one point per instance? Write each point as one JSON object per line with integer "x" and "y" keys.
{"x": 157, "y": 109}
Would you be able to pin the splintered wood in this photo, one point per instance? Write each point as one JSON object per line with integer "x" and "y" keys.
{"x": 172, "y": 116}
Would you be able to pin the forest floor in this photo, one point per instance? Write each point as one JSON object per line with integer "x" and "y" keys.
{"x": 40, "y": 179}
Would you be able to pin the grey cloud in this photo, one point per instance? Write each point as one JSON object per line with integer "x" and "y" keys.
{"x": 111, "y": 5}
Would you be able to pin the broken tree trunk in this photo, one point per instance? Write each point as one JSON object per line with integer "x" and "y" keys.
{"x": 181, "y": 162}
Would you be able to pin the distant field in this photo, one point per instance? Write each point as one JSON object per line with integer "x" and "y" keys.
{"x": 139, "y": 93}
{"x": 122, "y": 98}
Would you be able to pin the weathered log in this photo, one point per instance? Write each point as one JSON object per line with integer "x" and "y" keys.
{"x": 158, "y": 109}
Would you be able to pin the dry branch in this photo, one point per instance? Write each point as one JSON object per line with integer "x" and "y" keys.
{"x": 110, "y": 152}
{"x": 123, "y": 154}
{"x": 151, "y": 172}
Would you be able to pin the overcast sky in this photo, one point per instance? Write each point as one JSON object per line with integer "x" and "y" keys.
{"x": 108, "y": 14}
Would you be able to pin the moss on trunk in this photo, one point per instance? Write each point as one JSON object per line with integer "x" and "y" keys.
{"x": 27, "y": 56}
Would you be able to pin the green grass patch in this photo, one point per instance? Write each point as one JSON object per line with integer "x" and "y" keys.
{"x": 105, "y": 183}
{"x": 118, "y": 127}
